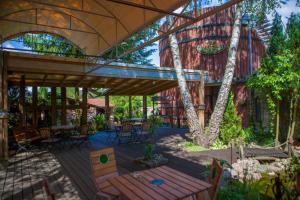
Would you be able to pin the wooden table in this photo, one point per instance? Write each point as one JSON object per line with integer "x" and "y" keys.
{"x": 176, "y": 185}
{"x": 63, "y": 127}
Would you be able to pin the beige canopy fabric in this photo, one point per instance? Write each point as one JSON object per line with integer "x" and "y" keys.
{"x": 92, "y": 25}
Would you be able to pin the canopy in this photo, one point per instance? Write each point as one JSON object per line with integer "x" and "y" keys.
{"x": 92, "y": 25}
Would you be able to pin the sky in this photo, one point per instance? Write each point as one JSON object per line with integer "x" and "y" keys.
{"x": 284, "y": 11}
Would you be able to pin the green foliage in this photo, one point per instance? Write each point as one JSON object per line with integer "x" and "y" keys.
{"x": 100, "y": 122}
{"x": 278, "y": 75}
{"x": 50, "y": 43}
{"x": 218, "y": 144}
{"x": 295, "y": 164}
{"x": 231, "y": 127}
{"x": 155, "y": 122}
{"x": 149, "y": 151}
{"x": 189, "y": 146}
{"x": 140, "y": 56}
{"x": 236, "y": 190}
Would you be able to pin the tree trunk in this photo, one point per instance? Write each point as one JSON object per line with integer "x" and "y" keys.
{"x": 293, "y": 122}
{"x": 277, "y": 124}
{"x": 192, "y": 119}
{"x": 217, "y": 115}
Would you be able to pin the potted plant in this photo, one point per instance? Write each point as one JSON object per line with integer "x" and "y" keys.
{"x": 150, "y": 158}
{"x": 295, "y": 166}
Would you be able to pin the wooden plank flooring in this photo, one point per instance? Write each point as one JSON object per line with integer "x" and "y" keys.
{"x": 68, "y": 169}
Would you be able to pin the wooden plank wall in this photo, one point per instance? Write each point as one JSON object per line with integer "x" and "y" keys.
{"x": 217, "y": 27}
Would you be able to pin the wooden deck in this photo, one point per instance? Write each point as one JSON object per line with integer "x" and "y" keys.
{"x": 69, "y": 169}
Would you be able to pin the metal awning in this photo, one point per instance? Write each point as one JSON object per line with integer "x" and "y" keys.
{"x": 118, "y": 78}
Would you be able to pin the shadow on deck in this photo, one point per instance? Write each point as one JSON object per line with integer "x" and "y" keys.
{"x": 69, "y": 169}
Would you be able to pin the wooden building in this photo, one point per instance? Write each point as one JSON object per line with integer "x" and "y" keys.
{"x": 204, "y": 46}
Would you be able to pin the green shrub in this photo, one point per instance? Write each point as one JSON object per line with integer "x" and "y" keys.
{"x": 236, "y": 190}
{"x": 219, "y": 145}
{"x": 295, "y": 164}
{"x": 231, "y": 127}
{"x": 100, "y": 122}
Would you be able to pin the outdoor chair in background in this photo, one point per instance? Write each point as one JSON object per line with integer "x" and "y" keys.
{"x": 20, "y": 137}
{"x": 104, "y": 166}
{"x": 81, "y": 137}
{"x": 25, "y": 138}
{"x": 125, "y": 133}
{"x": 47, "y": 139}
{"x": 144, "y": 134}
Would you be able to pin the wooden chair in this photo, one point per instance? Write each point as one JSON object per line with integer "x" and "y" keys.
{"x": 20, "y": 137}
{"x": 48, "y": 190}
{"x": 104, "y": 166}
{"x": 25, "y": 137}
{"x": 125, "y": 132}
{"x": 214, "y": 178}
{"x": 82, "y": 137}
{"x": 46, "y": 137}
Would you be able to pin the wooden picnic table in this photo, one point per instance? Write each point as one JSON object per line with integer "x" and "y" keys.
{"x": 161, "y": 183}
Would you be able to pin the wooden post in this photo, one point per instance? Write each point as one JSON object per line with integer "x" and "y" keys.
{"x": 84, "y": 105}
{"x": 130, "y": 107}
{"x": 63, "y": 105}
{"x": 34, "y": 107}
{"x": 201, "y": 109}
{"x": 145, "y": 107}
{"x": 22, "y": 101}
{"x": 53, "y": 106}
{"x": 178, "y": 113}
{"x": 3, "y": 107}
{"x": 107, "y": 111}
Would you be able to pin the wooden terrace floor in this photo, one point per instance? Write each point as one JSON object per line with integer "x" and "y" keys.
{"x": 69, "y": 169}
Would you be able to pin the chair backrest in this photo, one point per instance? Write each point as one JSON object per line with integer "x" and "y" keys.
{"x": 126, "y": 127}
{"x": 19, "y": 134}
{"x": 214, "y": 178}
{"x": 103, "y": 162}
{"x": 84, "y": 130}
{"x": 146, "y": 126}
{"x": 50, "y": 194}
{"x": 45, "y": 132}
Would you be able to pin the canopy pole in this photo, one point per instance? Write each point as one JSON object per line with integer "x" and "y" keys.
{"x": 34, "y": 106}
{"x": 145, "y": 107}
{"x": 201, "y": 109}
{"x": 107, "y": 111}
{"x": 22, "y": 101}
{"x": 130, "y": 107}
{"x": 84, "y": 105}
{"x": 63, "y": 105}
{"x": 53, "y": 106}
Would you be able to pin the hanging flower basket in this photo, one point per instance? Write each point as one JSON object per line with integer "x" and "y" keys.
{"x": 211, "y": 47}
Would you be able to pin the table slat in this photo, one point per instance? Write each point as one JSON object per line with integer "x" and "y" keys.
{"x": 169, "y": 186}
{"x": 146, "y": 187}
{"x": 124, "y": 190}
{"x": 194, "y": 186}
{"x": 206, "y": 184}
{"x": 136, "y": 190}
{"x": 176, "y": 181}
